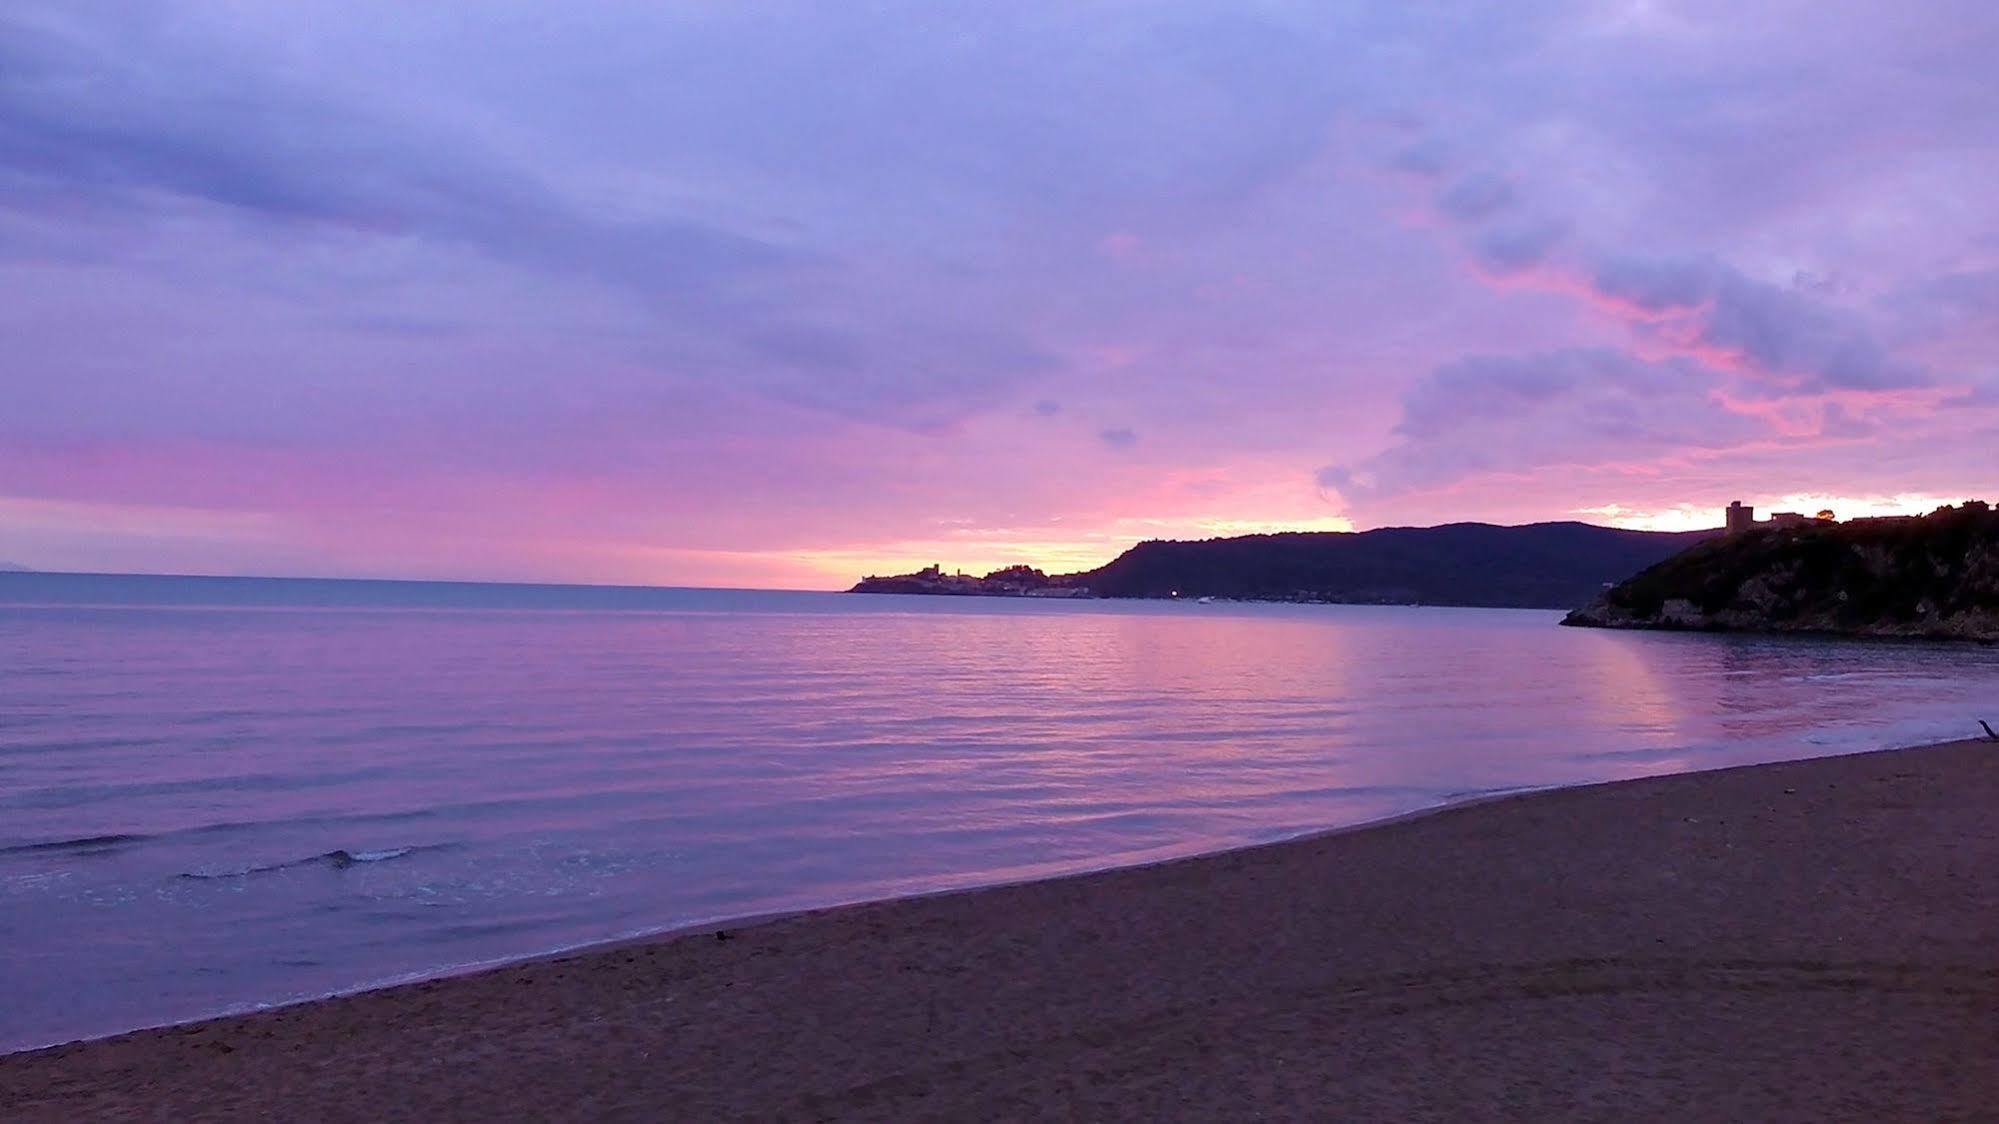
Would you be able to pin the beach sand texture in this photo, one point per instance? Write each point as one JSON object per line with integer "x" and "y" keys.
{"x": 1813, "y": 940}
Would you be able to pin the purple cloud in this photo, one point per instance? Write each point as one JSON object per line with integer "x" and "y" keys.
{"x": 1511, "y": 248}
{"x": 1476, "y": 197}
{"x": 1518, "y": 414}
{"x": 670, "y": 292}
{"x": 1770, "y": 330}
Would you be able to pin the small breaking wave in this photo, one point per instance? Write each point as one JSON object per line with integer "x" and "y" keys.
{"x": 338, "y": 859}
{"x": 82, "y": 845}
{"x": 342, "y": 858}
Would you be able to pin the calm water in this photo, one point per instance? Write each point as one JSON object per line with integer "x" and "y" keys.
{"x": 218, "y": 793}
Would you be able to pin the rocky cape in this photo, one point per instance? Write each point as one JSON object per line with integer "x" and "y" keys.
{"x": 1930, "y": 576}
{"x": 1541, "y": 565}
{"x": 1013, "y": 581}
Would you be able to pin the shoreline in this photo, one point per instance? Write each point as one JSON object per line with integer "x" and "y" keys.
{"x": 377, "y": 1031}
{"x": 734, "y": 922}
{"x": 1577, "y": 619}
{"x": 705, "y": 926}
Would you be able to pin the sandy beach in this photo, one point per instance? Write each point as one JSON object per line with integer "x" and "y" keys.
{"x": 1810, "y": 940}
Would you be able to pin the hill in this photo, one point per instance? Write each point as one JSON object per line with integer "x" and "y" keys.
{"x": 1934, "y": 576}
{"x": 1541, "y": 565}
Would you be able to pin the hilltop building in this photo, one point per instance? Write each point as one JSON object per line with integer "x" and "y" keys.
{"x": 1738, "y": 516}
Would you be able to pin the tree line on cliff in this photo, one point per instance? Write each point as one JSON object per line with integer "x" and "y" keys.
{"x": 1930, "y": 576}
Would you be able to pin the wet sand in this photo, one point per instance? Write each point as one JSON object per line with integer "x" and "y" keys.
{"x": 1810, "y": 940}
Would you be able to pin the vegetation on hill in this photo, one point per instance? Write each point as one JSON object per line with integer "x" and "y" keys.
{"x": 1936, "y": 575}
{"x": 1542, "y": 565}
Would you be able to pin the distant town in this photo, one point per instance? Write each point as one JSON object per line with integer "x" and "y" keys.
{"x": 1012, "y": 581}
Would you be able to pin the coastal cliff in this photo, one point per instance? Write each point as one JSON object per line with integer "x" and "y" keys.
{"x": 1931, "y": 576}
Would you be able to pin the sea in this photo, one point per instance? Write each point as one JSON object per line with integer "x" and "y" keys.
{"x": 222, "y": 794}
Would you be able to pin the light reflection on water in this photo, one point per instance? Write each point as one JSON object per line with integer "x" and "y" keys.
{"x": 314, "y": 786}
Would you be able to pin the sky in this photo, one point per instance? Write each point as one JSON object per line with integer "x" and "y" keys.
{"x": 695, "y": 292}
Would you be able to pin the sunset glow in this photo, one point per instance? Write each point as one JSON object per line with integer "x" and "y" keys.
{"x": 760, "y": 295}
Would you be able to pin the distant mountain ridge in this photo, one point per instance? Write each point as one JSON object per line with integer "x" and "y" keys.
{"x": 1539, "y": 566}
{"x": 14, "y": 568}
{"x": 1931, "y": 576}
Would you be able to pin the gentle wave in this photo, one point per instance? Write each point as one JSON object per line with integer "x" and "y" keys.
{"x": 338, "y": 859}
{"x": 82, "y": 845}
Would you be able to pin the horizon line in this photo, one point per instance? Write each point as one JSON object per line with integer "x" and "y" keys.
{"x": 7, "y": 569}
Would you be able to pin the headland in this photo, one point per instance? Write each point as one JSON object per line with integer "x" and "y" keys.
{"x": 1933, "y": 576}
{"x": 1535, "y": 566}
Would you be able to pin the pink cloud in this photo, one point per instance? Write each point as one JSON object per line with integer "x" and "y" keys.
{"x": 680, "y": 293}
